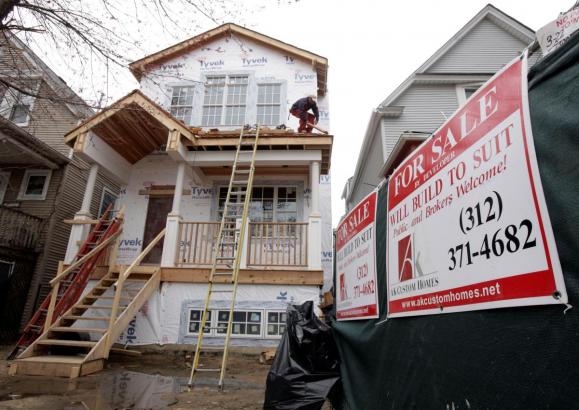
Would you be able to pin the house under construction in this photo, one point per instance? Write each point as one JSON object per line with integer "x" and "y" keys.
{"x": 172, "y": 146}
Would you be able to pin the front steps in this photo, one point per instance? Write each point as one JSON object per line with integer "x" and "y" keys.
{"x": 79, "y": 342}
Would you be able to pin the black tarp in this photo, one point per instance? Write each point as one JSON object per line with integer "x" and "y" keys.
{"x": 306, "y": 366}
{"x": 511, "y": 358}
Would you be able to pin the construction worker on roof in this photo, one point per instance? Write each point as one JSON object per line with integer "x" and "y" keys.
{"x": 300, "y": 110}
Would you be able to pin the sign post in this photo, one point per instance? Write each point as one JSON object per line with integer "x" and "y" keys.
{"x": 356, "y": 296}
{"x": 468, "y": 226}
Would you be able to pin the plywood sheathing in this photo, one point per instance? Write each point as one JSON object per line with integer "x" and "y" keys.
{"x": 319, "y": 63}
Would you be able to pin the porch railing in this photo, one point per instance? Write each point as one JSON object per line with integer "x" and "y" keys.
{"x": 19, "y": 230}
{"x": 278, "y": 244}
{"x": 196, "y": 242}
{"x": 269, "y": 244}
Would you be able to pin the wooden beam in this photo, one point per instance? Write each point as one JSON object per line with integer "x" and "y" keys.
{"x": 81, "y": 222}
{"x": 258, "y": 276}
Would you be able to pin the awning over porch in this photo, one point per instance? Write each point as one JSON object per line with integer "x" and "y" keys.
{"x": 133, "y": 126}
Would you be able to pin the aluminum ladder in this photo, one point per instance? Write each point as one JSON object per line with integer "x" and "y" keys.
{"x": 227, "y": 250}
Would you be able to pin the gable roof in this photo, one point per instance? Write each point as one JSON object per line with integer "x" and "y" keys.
{"x": 69, "y": 98}
{"x": 134, "y": 126}
{"x": 495, "y": 15}
{"x": 139, "y": 67}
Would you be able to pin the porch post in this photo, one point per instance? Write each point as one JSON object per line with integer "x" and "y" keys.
{"x": 245, "y": 247}
{"x": 171, "y": 243}
{"x": 88, "y": 192}
{"x": 79, "y": 232}
{"x": 315, "y": 220}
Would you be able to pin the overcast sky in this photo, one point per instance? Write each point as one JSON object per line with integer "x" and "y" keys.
{"x": 371, "y": 45}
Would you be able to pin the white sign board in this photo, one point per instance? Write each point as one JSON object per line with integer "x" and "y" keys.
{"x": 557, "y": 32}
{"x": 468, "y": 226}
{"x": 356, "y": 296}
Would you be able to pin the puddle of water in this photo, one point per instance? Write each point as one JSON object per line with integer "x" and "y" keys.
{"x": 138, "y": 390}
{"x": 117, "y": 390}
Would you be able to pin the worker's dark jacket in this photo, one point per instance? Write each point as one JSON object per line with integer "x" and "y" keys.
{"x": 303, "y": 105}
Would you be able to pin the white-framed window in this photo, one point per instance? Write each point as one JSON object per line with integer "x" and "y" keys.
{"x": 195, "y": 316}
{"x": 16, "y": 106}
{"x": 269, "y": 104}
{"x": 108, "y": 197}
{"x": 465, "y": 91}
{"x": 276, "y": 323}
{"x": 245, "y": 322}
{"x": 182, "y": 103}
{"x": 268, "y": 203}
{"x": 35, "y": 184}
{"x": 4, "y": 181}
{"x": 225, "y": 100}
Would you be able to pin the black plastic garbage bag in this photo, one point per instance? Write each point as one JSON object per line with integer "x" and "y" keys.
{"x": 306, "y": 365}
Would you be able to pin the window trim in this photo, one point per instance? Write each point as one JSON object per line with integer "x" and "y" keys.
{"x": 22, "y": 196}
{"x": 192, "y": 106}
{"x": 112, "y": 193}
{"x": 242, "y": 336}
{"x": 4, "y": 174}
{"x": 215, "y": 320}
{"x": 266, "y": 335}
{"x": 250, "y": 100}
{"x": 17, "y": 96}
{"x": 291, "y": 184}
{"x": 461, "y": 91}
{"x": 281, "y": 84}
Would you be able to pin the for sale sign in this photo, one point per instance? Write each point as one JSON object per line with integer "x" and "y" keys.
{"x": 468, "y": 226}
{"x": 356, "y": 296}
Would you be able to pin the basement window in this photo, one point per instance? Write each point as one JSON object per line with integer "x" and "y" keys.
{"x": 182, "y": 103}
{"x": 276, "y": 323}
{"x": 268, "y": 104}
{"x": 195, "y": 321}
{"x": 245, "y": 323}
{"x": 35, "y": 184}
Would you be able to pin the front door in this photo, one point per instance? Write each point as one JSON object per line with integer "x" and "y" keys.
{"x": 159, "y": 208}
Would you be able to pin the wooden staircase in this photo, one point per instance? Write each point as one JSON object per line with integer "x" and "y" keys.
{"x": 79, "y": 342}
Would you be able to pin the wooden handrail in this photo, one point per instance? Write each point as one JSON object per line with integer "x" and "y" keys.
{"x": 142, "y": 256}
{"x": 97, "y": 249}
{"x": 121, "y": 280}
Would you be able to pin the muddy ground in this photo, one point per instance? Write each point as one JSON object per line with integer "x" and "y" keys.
{"x": 151, "y": 380}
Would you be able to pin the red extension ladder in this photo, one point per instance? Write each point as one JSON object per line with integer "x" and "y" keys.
{"x": 71, "y": 286}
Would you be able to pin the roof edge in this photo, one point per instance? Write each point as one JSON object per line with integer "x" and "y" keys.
{"x": 375, "y": 119}
{"x": 138, "y": 66}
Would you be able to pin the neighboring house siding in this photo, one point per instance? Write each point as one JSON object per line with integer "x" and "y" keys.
{"x": 50, "y": 120}
{"x": 68, "y": 204}
{"x": 425, "y": 108}
{"x": 485, "y": 49}
{"x": 368, "y": 179}
{"x": 39, "y": 208}
{"x": 43, "y": 209}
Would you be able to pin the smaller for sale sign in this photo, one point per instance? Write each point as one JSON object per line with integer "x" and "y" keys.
{"x": 356, "y": 296}
{"x": 468, "y": 226}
